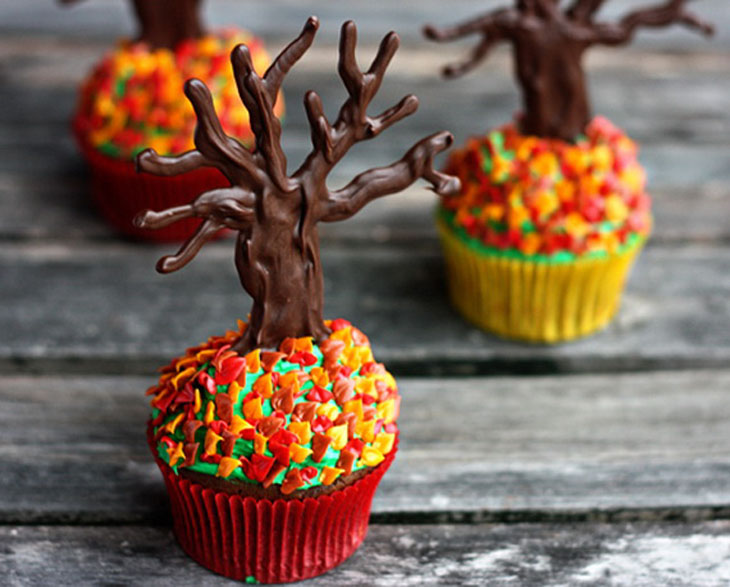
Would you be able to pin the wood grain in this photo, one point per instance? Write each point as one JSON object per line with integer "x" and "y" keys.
{"x": 104, "y": 309}
{"x": 103, "y": 20}
{"x": 641, "y": 555}
{"x": 643, "y": 446}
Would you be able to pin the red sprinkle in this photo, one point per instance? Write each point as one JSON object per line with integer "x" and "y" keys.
{"x": 303, "y": 358}
{"x": 321, "y": 424}
{"x": 319, "y": 394}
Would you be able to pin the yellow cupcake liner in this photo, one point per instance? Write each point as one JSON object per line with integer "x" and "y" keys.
{"x": 535, "y": 301}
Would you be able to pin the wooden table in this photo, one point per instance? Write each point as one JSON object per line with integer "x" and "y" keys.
{"x": 602, "y": 462}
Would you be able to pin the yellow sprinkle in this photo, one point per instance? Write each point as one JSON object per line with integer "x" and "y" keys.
{"x": 366, "y": 430}
{"x": 210, "y": 444}
{"x": 263, "y": 386}
{"x": 252, "y": 409}
{"x": 345, "y": 335}
{"x": 183, "y": 376}
{"x": 366, "y": 386}
{"x": 303, "y": 430}
{"x": 354, "y": 406}
{"x": 175, "y": 454}
{"x": 259, "y": 443}
{"x": 371, "y": 456}
{"x": 329, "y": 475}
{"x": 328, "y": 410}
{"x": 384, "y": 442}
{"x": 205, "y": 356}
{"x": 227, "y": 466}
{"x": 238, "y": 424}
{"x": 386, "y": 410}
{"x": 172, "y": 425}
{"x": 319, "y": 376}
{"x": 338, "y": 434}
{"x": 233, "y": 390}
{"x": 197, "y": 402}
{"x": 616, "y": 209}
{"x": 209, "y": 413}
{"x": 298, "y": 453}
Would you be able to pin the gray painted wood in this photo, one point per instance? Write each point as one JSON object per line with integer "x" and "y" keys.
{"x": 100, "y": 19}
{"x": 640, "y": 555}
{"x": 580, "y": 448}
{"x": 102, "y": 308}
{"x": 676, "y": 106}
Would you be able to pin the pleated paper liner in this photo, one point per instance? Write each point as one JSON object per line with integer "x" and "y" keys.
{"x": 532, "y": 301}
{"x": 120, "y": 193}
{"x": 271, "y": 541}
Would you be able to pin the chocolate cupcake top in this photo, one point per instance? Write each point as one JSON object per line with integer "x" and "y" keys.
{"x": 299, "y": 417}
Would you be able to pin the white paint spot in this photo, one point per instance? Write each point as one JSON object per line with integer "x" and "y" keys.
{"x": 690, "y": 560}
{"x": 440, "y": 501}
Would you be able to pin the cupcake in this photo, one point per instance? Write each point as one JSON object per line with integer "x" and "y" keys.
{"x": 272, "y": 438}
{"x": 271, "y": 459}
{"x": 132, "y": 100}
{"x": 553, "y": 209}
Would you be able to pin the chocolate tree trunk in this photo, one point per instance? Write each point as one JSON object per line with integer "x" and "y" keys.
{"x": 165, "y": 23}
{"x": 278, "y": 264}
{"x": 555, "y": 97}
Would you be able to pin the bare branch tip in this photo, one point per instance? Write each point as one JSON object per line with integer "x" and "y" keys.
{"x": 195, "y": 88}
{"x": 348, "y": 32}
{"x": 140, "y": 220}
{"x": 430, "y": 32}
{"x": 140, "y": 161}
{"x": 312, "y": 24}
{"x": 165, "y": 265}
{"x": 241, "y": 58}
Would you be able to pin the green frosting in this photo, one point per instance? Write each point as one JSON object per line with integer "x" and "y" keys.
{"x": 447, "y": 219}
{"x": 244, "y": 447}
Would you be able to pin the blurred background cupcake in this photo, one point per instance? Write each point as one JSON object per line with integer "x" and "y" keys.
{"x": 132, "y": 99}
{"x": 553, "y": 209}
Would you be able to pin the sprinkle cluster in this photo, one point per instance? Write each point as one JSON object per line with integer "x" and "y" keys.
{"x": 545, "y": 196}
{"x": 299, "y": 417}
{"x": 133, "y": 98}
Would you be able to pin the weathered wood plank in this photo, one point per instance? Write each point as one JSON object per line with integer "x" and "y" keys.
{"x": 640, "y": 555}
{"x": 626, "y": 447}
{"x": 101, "y": 20}
{"x": 676, "y": 107}
{"x": 104, "y": 309}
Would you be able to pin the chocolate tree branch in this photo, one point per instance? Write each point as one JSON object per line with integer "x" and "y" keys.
{"x": 321, "y": 130}
{"x": 671, "y": 12}
{"x": 151, "y": 219}
{"x": 149, "y": 161}
{"x": 407, "y": 106}
{"x": 264, "y": 124}
{"x": 548, "y": 43}
{"x": 274, "y": 76}
{"x": 276, "y": 216}
{"x": 383, "y": 181}
{"x": 206, "y": 231}
{"x": 477, "y": 55}
{"x": 582, "y": 11}
{"x": 210, "y": 139}
{"x": 495, "y": 22}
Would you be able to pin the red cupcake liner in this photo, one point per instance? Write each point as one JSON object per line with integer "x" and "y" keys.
{"x": 120, "y": 193}
{"x": 274, "y": 541}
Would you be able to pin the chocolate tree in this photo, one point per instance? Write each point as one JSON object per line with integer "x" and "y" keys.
{"x": 164, "y": 23}
{"x": 548, "y": 43}
{"x": 275, "y": 214}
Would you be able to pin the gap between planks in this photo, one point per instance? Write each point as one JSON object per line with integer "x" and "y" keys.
{"x": 641, "y": 555}
{"x": 554, "y": 449}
